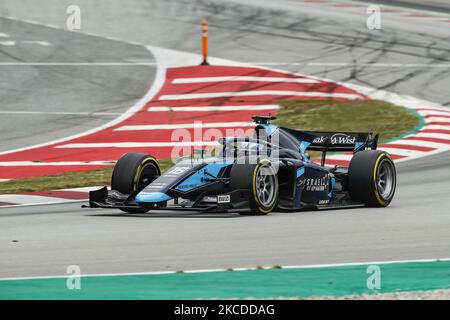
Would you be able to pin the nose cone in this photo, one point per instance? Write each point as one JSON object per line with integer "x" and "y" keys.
{"x": 151, "y": 197}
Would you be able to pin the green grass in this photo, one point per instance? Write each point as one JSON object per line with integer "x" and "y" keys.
{"x": 388, "y": 120}
{"x": 375, "y": 116}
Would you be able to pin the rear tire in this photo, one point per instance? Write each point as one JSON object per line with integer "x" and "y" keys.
{"x": 132, "y": 173}
{"x": 262, "y": 182}
{"x": 372, "y": 178}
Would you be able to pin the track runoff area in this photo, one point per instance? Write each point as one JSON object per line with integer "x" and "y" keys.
{"x": 314, "y": 281}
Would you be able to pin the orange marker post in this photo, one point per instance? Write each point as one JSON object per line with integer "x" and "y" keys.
{"x": 205, "y": 43}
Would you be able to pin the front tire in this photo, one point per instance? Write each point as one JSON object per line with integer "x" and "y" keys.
{"x": 262, "y": 182}
{"x": 132, "y": 173}
{"x": 372, "y": 178}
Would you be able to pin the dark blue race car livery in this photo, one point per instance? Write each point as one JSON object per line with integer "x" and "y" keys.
{"x": 255, "y": 175}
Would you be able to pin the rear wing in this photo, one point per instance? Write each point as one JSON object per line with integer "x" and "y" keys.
{"x": 335, "y": 141}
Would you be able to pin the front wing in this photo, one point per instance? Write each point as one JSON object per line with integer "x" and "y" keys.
{"x": 233, "y": 201}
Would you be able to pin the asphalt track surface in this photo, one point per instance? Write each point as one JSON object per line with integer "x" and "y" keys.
{"x": 44, "y": 102}
{"x": 44, "y": 240}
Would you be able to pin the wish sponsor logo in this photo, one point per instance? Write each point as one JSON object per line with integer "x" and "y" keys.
{"x": 342, "y": 138}
{"x": 337, "y": 138}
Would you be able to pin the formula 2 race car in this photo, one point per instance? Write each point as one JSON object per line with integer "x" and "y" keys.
{"x": 254, "y": 175}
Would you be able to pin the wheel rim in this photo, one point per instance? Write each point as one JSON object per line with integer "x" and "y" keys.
{"x": 265, "y": 186}
{"x": 385, "y": 179}
{"x": 148, "y": 174}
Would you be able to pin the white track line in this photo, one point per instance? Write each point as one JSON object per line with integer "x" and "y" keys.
{"x": 76, "y": 64}
{"x": 434, "y": 113}
{"x": 62, "y": 163}
{"x": 41, "y": 43}
{"x": 438, "y": 118}
{"x": 185, "y": 126}
{"x": 421, "y": 143}
{"x": 243, "y": 78}
{"x": 400, "y": 152}
{"x": 432, "y": 135}
{"x": 435, "y": 108}
{"x": 35, "y": 200}
{"x": 82, "y": 189}
{"x": 214, "y": 108}
{"x": 313, "y": 266}
{"x": 347, "y": 64}
{"x": 34, "y": 204}
{"x": 61, "y": 113}
{"x": 349, "y": 96}
{"x": 138, "y": 144}
{"x": 7, "y": 43}
{"x": 435, "y": 127}
{"x": 25, "y": 199}
{"x": 403, "y": 146}
{"x": 4, "y": 35}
